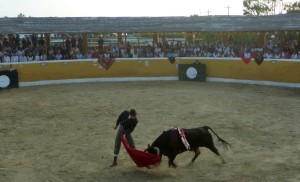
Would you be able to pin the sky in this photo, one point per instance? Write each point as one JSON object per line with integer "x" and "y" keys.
{"x": 119, "y": 8}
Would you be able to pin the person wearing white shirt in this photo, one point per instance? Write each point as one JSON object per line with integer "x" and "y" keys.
{"x": 77, "y": 55}
{"x": 197, "y": 51}
{"x": 123, "y": 52}
{"x": 14, "y": 58}
{"x": 6, "y": 58}
{"x": 230, "y": 53}
{"x": 30, "y": 57}
{"x": 162, "y": 54}
{"x": 58, "y": 56}
{"x": 81, "y": 56}
{"x": 20, "y": 52}
{"x": 132, "y": 52}
{"x": 22, "y": 58}
{"x": 247, "y": 54}
{"x": 216, "y": 54}
{"x": 277, "y": 56}
{"x": 190, "y": 50}
{"x": 268, "y": 55}
{"x": 283, "y": 55}
{"x": 43, "y": 57}
{"x": 106, "y": 55}
{"x": 294, "y": 55}
{"x": 89, "y": 55}
{"x": 157, "y": 51}
{"x": 204, "y": 53}
{"x": 37, "y": 57}
{"x": 139, "y": 51}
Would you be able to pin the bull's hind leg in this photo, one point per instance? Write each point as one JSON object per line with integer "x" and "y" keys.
{"x": 197, "y": 153}
{"x": 215, "y": 150}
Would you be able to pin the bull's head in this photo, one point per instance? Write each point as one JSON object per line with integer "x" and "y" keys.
{"x": 152, "y": 150}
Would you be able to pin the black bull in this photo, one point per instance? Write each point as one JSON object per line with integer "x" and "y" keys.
{"x": 170, "y": 144}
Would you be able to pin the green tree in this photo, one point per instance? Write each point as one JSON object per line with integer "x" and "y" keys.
{"x": 292, "y": 7}
{"x": 261, "y": 7}
{"x": 21, "y": 15}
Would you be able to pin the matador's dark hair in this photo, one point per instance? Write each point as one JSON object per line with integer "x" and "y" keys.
{"x": 132, "y": 112}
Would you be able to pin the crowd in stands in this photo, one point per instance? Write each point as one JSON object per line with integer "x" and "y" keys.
{"x": 33, "y": 48}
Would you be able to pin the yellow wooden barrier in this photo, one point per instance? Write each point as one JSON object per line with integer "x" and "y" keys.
{"x": 285, "y": 71}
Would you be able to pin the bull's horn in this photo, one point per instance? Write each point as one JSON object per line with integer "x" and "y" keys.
{"x": 157, "y": 150}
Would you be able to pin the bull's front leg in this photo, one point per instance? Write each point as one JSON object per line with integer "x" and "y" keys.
{"x": 171, "y": 160}
{"x": 197, "y": 153}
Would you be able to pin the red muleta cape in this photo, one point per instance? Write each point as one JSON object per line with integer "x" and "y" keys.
{"x": 141, "y": 159}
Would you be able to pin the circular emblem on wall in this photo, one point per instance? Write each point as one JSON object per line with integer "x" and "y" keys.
{"x": 4, "y": 81}
{"x": 191, "y": 72}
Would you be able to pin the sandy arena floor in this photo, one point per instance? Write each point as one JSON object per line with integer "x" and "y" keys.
{"x": 65, "y": 132}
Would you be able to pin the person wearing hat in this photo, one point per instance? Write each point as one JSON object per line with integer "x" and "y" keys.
{"x": 126, "y": 122}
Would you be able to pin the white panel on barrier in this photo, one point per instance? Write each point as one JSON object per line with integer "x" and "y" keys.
{"x": 4, "y": 81}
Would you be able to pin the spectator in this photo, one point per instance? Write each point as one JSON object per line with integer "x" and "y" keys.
{"x": 277, "y": 55}
{"x": 294, "y": 55}
{"x": 80, "y": 43}
{"x": 279, "y": 47}
{"x": 157, "y": 51}
{"x": 37, "y": 57}
{"x": 79, "y": 55}
{"x": 34, "y": 40}
{"x": 73, "y": 41}
{"x": 139, "y": 52}
{"x": 100, "y": 44}
{"x": 268, "y": 54}
{"x": 68, "y": 44}
{"x": 89, "y": 55}
{"x": 247, "y": 54}
{"x": 6, "y": 58}
{"x": 58, "y": 56}
{"x": 28, "y": 42}
{"x": 5, "y": 43}
{"x": 23, "y": 58}
{"x": 17, "y": 42}
{"x": 24, "y": 43}
{"x": 30, "y": 57}
{"x": 14, "y": 58}
{"x": 42, "y": 41}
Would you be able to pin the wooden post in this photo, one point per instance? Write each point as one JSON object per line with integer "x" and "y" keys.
{"x": 47, "y": 40}
{"x": 11, "y": 40}
{"x": 225, "y": 37}
{"x": 261, "y": 38}
{"x": 120, "y": 38}
{"x": 85, "y": 42}
{"x": 265, "y": 38}
{"x": 155, "y": 37}
{"x": 190, "y": 37}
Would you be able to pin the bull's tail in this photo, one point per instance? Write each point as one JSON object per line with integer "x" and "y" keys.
{"x": 225, "y": 144}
